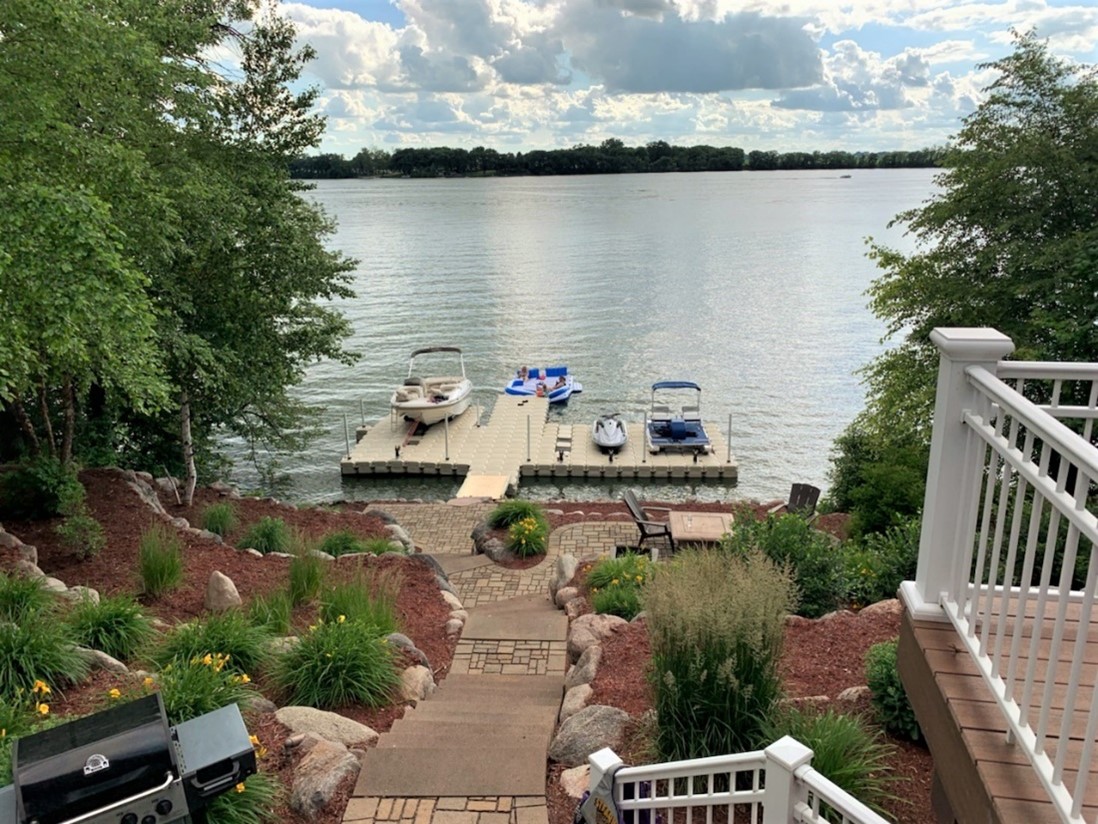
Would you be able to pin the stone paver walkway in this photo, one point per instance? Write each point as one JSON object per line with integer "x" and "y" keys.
{"x": 483, "y": 735}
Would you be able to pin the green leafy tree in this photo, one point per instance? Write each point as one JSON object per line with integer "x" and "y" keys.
{"x": 1010, "y": 241}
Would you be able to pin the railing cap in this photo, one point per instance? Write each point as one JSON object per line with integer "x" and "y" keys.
{"x": 789, "y": 753}
{"x": 971, "y": 343}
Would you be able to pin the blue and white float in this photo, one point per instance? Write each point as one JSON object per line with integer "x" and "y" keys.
{"x": 553, "y": 382}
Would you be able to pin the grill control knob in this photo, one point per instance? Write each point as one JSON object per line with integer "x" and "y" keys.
{"x": 149, "y": 819}
{"x": 163, "y": 806}
{"x": 129, "y": 818}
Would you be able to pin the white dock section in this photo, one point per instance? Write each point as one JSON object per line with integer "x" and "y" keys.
{"x": 493, "y": 456}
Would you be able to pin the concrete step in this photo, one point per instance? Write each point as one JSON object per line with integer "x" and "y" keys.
{"x": 510, "y": 690}
{"x": 482, "y": 735}
{"x": 474, "y": 715}
{"x": 415, "y": 772}
{"x": 523, "y": 618}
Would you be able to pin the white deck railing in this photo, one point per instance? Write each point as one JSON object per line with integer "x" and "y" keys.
{"x": 1008, "y": 541}
{"x": 773, "y": 786}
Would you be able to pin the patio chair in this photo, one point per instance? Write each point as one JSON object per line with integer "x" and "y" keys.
{"x": 649, "y": 527}
{"x": 802, "y": 501}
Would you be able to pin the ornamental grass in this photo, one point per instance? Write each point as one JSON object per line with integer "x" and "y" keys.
{"x": 160, "y": 560}
{"x": 616, "y": 584}
{"x": 253, "y": 801}
{"x": 116, "y": 625}
{"x": 716, "y": 624}
{"x": 220, "y": 518}
{"x": 369, "y": 597}
{"x": 229, "y": 634}
{"x": 339, "y": 663}
{"x": 39, "y": 649}
{"x": 191, "y": 687}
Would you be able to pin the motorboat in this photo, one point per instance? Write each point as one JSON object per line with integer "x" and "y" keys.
{"x": 609, "y": 432}
{"x": 429, "y": 400}
{"x": 676, "y": 431}
{"x": 553, "y": 382}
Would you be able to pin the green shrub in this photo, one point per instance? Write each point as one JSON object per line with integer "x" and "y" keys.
{"x": 876, "y": 565}
{"x": 116, "y": 626}
{"x": 160, "y": 559}
{"x": 21, "y": 597}
{"x": 716, "y": 624}
{"x": 615, "y": 584}
{"x": 844, "y": 749}
{"x": 229, "y": 634}
{"x": 369, "y": 597}
{"x": 37, "y": 648}
{"x": 220, "y": 518}
{"x": 271, "y": 612}
{"x": 306, "y": 574}
{"x": 379, "y": 546}
{"x": 511, "y": 512}
{"x": 252, "y": 802}
{"x": 82, "y": 535}
{"x": 39, "y": 488}
{"x": 621, "y": 600}
{"x": 890, "y": 701}
{"x": 268, "y": 535}
{"x": 195, "y": 686}
{"x": 527, "y": 537}
{"x": 817, "y": 565}
{"x": 336, "y": 664}
{"x": 342, "y": 542}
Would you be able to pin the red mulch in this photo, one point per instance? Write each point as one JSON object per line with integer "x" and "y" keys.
{"x": 820, "y": 658}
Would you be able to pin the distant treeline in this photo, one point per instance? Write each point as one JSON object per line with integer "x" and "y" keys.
{"x": 609, "y": 157}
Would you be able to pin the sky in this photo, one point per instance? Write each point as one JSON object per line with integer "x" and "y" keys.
{"x": 783, "y": 75}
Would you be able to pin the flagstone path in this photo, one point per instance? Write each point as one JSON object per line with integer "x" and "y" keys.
{"x": 475, "y": 751}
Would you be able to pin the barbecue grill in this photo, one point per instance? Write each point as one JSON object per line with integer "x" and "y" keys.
{"x": 125, "y": 765}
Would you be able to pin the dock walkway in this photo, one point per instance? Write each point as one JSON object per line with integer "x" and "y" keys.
{"x": 518, "y": 441}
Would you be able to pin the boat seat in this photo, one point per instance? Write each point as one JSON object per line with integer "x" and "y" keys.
{"x": 409, "y": 393}
{"x": 660, "y": 412}
{"x": 691, "y": 413}
{"x": 414, "y": 382}
{"x": 446, "y": 388}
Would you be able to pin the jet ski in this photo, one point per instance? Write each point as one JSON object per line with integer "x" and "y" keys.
{"x": 609, "y": 433}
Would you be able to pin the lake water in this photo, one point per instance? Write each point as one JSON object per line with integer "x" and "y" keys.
{"x": 752, "y": 285}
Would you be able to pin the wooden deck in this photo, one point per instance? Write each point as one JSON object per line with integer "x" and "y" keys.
{"x": 979, "y": 777}
{"x": 517, "y": 441}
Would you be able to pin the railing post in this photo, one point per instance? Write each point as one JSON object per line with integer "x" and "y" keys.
{"x": 947, "y": 473}
{"x": 603, "y": 762}
{"x": 783, "y": 758}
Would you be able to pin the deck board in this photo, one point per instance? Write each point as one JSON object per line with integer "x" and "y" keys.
{"x": 967, "y": 732}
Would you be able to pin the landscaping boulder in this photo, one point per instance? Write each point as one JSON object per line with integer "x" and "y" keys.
{"x": 854, "y": 695}
{"x": 380, "y": 514}
{"x": 591, "y": 629}
{"x": 460, "y": 614}
{"x": 282, "y": 644}
{"x": 566, "y": 594}
{"x": 445, "y": 586}
{"x": 576, "y": 781}
{"x": 452, "y": 600}
{"x": 322, "y": 770}
{"x": 405, "y": 643}
{"x": 8, "y": 541}
{"x": 590, "y": 729}
{"x": 221, "y": 594}
{"x": 454, "y": 627}
{"x": 81, "y": 593}
{"x": 55, "y": 585}
{"x": 575, "y": 608}
{"x": 891, "y": 606}
{"x": 144, "y": 491}
{"x": 97, "y": 659}
{"x": 416, "y": 683}
{"x": 564, "y": 569}
{"x": 27, "y": 569}
{"x": 401, "y": 536}
{"x": 327, "y": 725}
{"x": 574, "y": 701}
{"x": 585, "y": 668}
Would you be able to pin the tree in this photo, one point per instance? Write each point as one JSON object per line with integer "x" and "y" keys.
{"x": 153, "y": 250}
{"x": 1011, "y": 240}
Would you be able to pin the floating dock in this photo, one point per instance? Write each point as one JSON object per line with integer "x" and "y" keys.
{"x": 517, "y": 441}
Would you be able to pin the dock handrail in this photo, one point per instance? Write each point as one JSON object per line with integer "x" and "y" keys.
{"x": 1007, "y": 509}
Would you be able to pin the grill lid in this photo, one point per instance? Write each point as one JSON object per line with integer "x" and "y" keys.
{"x": 89, "y": 763}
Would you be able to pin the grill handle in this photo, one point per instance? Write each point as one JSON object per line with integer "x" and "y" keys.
{"x": 217, "y": 785}
{"x": 169, "y": 778}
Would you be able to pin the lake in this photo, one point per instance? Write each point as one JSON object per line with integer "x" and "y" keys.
{"x": 752, "y": 285}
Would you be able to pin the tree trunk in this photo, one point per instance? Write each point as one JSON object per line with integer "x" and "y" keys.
{"x": 191, "y": 476}
{"x": 44, "y": 409}
{"x": 26, "y": 427}
{"x": 69, "y": 401}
